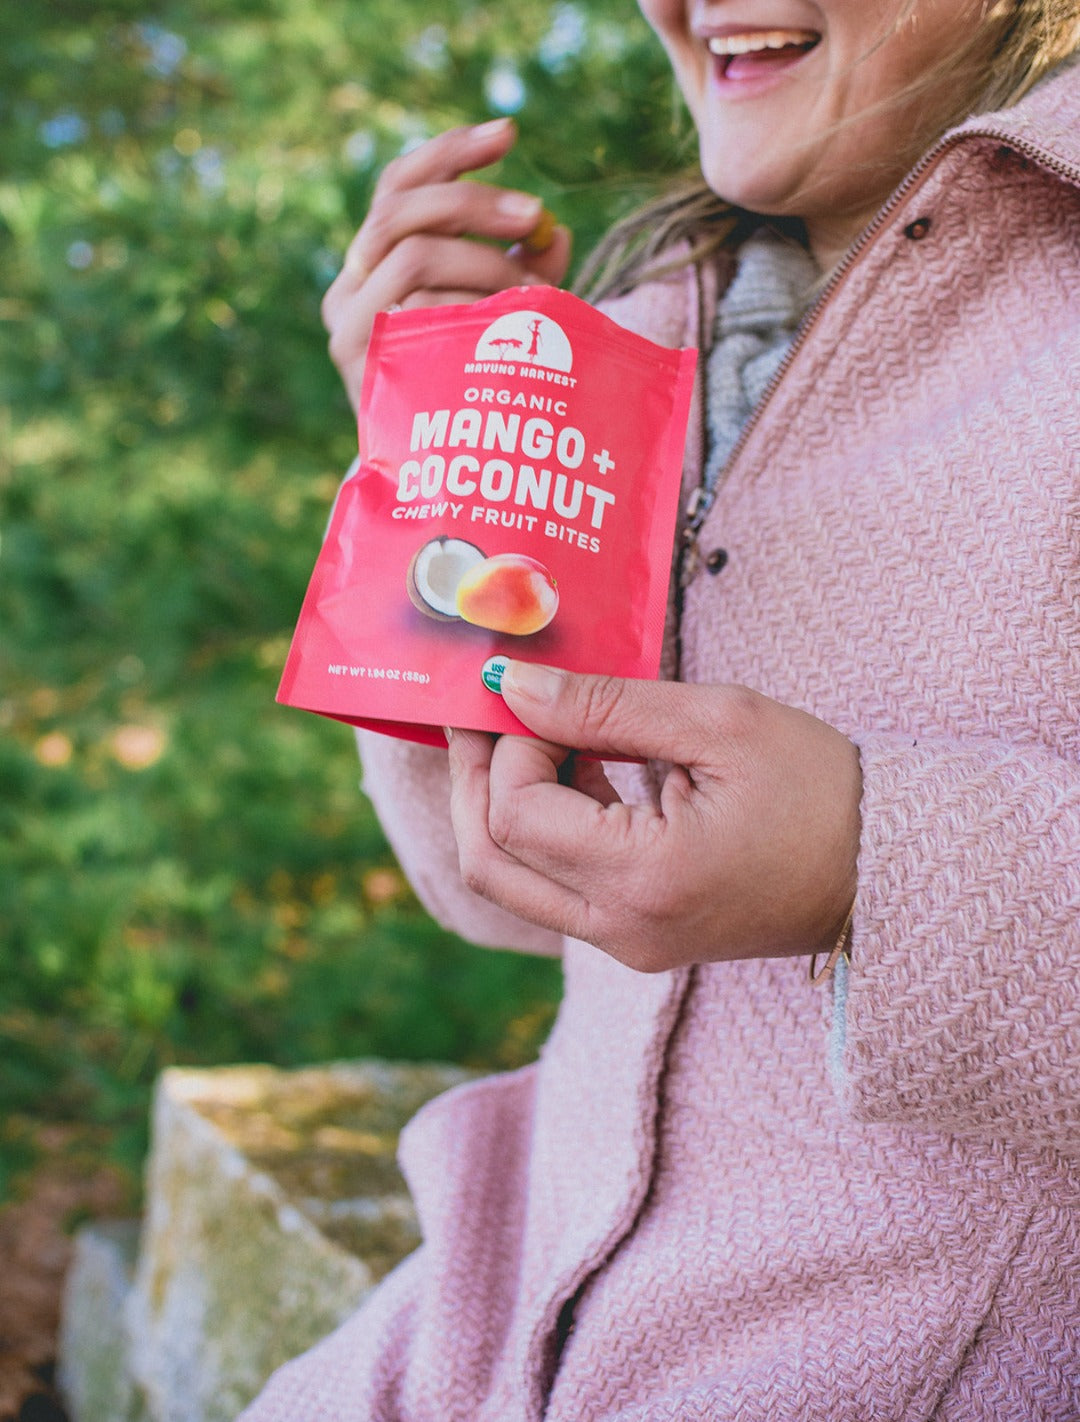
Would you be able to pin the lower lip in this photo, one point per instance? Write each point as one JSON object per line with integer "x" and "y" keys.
{"x": 754, "y": 76}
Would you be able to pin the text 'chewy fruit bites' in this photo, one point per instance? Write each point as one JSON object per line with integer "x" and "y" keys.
{"x": 515, "y": 496}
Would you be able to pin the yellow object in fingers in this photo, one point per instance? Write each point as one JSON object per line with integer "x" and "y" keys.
{"x": 542, "y": 235}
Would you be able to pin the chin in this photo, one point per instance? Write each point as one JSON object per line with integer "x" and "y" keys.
{"x": 749, "y": 191}
{"x": 758, "y": 182}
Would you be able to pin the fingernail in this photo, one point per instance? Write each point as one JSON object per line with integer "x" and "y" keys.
{"x": 540, "y": 684}
{"x": 522, "y": 207}
{"x": 490, "y": 129}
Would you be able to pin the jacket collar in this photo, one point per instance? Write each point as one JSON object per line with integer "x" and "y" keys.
{"x": 1044, "y": 125}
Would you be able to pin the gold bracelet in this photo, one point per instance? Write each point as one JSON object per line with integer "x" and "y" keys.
{"x": 816, "y": 978}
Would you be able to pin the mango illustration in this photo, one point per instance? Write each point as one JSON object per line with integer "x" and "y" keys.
{"x": 508, "y": 593}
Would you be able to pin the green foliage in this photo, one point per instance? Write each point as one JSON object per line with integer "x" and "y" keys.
{"x": 188, "y": 871}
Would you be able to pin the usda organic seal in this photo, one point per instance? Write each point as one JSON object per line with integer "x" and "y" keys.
{"x": 491, "y": 673}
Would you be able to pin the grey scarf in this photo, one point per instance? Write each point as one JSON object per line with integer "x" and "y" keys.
{"x": 756, "y": 319}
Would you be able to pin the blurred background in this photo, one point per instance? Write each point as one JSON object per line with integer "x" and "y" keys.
{"x": 188, "y": 872}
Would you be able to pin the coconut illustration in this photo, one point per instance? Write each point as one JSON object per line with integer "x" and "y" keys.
{"x": 435, "y": 572}
{"x": 451, "y": 580}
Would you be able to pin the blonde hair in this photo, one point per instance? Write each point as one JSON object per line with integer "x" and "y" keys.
{"x": 1017, "y": 43}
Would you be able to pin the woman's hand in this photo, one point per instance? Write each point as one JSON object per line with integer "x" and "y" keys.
{"x": 752, "y": 852}
{"x": 412, "y": 249}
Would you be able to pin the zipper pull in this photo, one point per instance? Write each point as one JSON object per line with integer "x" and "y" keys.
{"x": 690, "y": 560}
{"x": 697, "y": 506}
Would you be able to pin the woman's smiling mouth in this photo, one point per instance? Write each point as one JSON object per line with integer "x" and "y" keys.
{"x": 752, "y": 54}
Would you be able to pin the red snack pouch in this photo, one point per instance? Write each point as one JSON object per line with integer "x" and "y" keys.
{"x": 520, "y": 462}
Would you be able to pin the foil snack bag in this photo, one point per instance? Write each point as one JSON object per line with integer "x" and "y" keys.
{"x": 515, "y": 496}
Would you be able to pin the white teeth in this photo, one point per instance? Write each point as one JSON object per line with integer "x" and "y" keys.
{"x": 760, "y": 39}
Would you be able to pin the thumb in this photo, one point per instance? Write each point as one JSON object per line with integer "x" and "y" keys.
{"x": 606, "y": 714}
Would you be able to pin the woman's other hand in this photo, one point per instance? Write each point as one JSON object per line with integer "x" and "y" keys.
{"x": 413, "y": 248}
{"x": 752, "y": 852}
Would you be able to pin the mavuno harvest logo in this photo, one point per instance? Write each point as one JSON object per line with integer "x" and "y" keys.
{"x": 524, "y": 343}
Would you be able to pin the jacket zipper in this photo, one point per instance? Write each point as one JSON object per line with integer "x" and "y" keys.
{"x": 702, "y": 500}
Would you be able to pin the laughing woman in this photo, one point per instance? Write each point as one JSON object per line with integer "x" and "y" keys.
{"x": 805, "y": 1140}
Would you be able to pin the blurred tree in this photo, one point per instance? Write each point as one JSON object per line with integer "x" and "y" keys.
{"x": 187, "y": 871}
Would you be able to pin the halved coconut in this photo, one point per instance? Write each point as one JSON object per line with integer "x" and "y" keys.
{"x": 434, "y": 574}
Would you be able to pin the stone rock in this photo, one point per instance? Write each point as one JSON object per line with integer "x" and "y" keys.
{"x": 274, "y": 1205}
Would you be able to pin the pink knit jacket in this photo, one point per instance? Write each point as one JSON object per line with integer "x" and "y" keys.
{"x": 720, "y": 1194}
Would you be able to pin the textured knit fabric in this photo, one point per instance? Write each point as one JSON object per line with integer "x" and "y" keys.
{"x": 681, "y": 1213}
